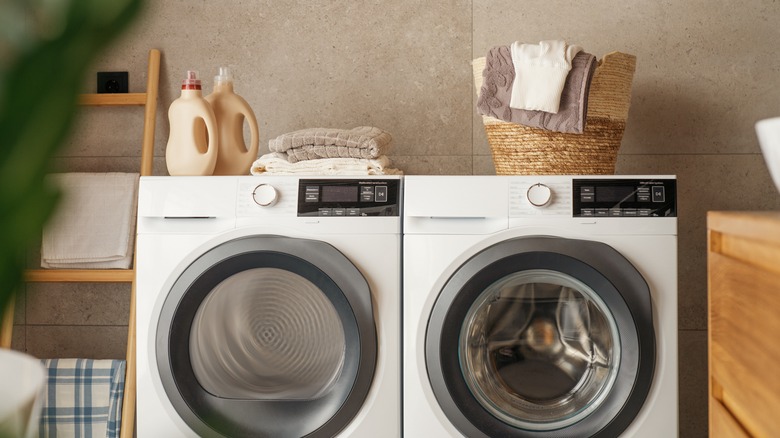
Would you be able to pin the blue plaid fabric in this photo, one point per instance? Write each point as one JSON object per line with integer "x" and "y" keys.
{"x": 82, "y": 398}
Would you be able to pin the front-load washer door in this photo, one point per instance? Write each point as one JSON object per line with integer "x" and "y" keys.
{"x": 267, "y": 336}
{"x": 542, "y": 337}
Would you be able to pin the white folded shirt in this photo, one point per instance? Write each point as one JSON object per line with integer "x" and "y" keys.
{"x": 540, "y": 74}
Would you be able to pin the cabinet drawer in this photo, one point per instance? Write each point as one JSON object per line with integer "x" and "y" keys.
{"x": 744, "y": 348}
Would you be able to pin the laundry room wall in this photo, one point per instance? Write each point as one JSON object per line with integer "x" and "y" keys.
{"x": 706, "y": 71}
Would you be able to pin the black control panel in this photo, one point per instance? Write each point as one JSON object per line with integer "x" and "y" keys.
{"x": 624, "y": 197}
{"x": 349, "y": 197}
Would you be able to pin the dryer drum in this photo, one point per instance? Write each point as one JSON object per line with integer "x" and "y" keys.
{"x": 542, "y": 337}
{"x": 268, "y": 336}
{"x": 283, "y": 339}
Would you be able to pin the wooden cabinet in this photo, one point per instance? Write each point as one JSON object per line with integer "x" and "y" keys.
{"x": 744, "y": 323}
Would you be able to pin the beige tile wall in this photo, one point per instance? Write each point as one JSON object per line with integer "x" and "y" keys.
{"x": 706, "y": 71}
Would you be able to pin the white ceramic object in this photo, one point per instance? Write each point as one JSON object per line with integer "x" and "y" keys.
{"x": 768, "y": 131}
{"x": 21, "y": 383}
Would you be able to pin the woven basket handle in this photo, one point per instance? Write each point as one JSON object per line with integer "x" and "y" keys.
{"x": 610, "y": 88}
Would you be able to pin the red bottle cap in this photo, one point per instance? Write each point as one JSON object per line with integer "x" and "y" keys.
{"x": 192, "y": 82}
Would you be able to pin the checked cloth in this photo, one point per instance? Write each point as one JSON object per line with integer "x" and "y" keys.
{"x": 82, "y": 398}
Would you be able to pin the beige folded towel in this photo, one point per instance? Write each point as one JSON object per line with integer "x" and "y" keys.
{"x": 94, "y": 225}
{"x": 309, "y": 144}
{"x": 276, "y": 164}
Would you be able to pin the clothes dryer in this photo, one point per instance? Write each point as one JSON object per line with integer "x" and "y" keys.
{"x": 268, "y": 307}
{"x": 540, "y": 306}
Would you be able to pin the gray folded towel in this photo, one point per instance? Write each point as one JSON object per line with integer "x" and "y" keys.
{"x": 365, "y": 142}
{"x": 496, "y": 92}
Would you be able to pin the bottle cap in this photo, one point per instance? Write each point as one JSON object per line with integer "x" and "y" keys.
{"x": 223, "y": 77}
{"x": 192, "y": 82}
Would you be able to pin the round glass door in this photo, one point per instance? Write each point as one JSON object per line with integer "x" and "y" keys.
{"x": 267, "y": 336}
{"x": 539, "y": 349}
{"x": 542, "y": 337}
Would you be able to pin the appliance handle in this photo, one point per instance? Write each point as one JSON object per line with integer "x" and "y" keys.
{"x": 455, "y": 224}
{"x": 452, "y": 217}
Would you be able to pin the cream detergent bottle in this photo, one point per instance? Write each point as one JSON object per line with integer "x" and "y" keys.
{"x": 192, "y": 145}
{"x": 234, "y": 157}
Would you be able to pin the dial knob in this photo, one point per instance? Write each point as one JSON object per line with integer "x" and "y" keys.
{"x": 265, "y": 195}
{"x": 539, "y": 195}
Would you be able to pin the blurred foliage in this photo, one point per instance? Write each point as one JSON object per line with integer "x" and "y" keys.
{"x": 46, "y": 47}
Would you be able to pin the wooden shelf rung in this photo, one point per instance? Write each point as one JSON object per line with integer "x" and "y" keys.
{"x": 118, "y": 99}
{"x": 80, "y": 275}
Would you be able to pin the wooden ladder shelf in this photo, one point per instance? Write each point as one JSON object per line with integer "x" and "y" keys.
{"x": 149, "y": 101}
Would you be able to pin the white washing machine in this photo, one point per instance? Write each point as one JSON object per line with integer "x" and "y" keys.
{"x": 540, "y": 306}
{"x": 268, "y": 307}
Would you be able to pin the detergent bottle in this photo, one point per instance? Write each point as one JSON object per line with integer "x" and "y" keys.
{"x": 192, "y": 145}
{"x": 234, "y": 157}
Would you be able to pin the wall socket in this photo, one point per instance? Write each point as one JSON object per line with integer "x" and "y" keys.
{"x": 112, "y": 82}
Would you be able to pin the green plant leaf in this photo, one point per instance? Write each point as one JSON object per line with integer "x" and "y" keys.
{"x": 41, "y": 72}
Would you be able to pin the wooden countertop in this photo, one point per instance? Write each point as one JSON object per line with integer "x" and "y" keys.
{"x": 753, "y": 237}
{"x": 758, "y": 225}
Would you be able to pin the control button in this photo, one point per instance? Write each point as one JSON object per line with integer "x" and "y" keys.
{"x": 265, "y": 195}
{"x": 629, "y": 212}
{"x": 381, "y": 193}
{"x": 312, "y": 194}
{"x": 539, "y": 195}
{"x": 339, "y": 212}
{"x": 602, "y": 211}
{"x": 616, "y": 212}
{"x": 584, "y": 197}
{"x": 643, "y": 194}
{"x": 367, "y": 193}
{"x": 326, "y": 211}
{"x": 587, "y": 190}
{"x": 586, "y": 212}
{"x": 659, "y": 194}
{"x": 353, "y": 212}
{"x": 645, "y": 211}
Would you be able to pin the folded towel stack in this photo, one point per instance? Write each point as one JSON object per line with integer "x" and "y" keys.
{"x": 541, "y": 86}
{"x": 94, "y": 225}
{"x": 328, "y": 151}
{"x": 276, "y": 163}
{"x": 82, "y": 398}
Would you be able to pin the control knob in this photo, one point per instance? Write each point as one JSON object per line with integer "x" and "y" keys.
{"x": 265, "y": 195}
{"x": 539, "y": 195}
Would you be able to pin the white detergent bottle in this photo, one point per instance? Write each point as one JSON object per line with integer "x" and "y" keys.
{"x": 192, "y": 144}
{"x": 235, "y": 157}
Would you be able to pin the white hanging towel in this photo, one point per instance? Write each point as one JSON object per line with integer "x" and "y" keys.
{"x": 94, "y": 224}
{"x": 540, "y": 73}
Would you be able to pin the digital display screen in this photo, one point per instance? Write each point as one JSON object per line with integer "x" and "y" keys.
{"x": 615, "y": 194}
{"x": 339, "y": 193}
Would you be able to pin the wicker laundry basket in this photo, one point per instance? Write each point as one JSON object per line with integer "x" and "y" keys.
{"x": 522, "y": 150}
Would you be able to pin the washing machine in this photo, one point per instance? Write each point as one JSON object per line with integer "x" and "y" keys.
{"x": 540, "y": 306}
{"x": 268, "y": 307}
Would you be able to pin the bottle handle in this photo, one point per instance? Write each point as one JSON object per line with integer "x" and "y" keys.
{"x": 254, "y": 130}
{"x": 211, "y": 129}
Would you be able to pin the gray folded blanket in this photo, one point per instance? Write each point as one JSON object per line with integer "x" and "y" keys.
{"x": 365, "y": 142}
{"x": 496, "y": 92}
